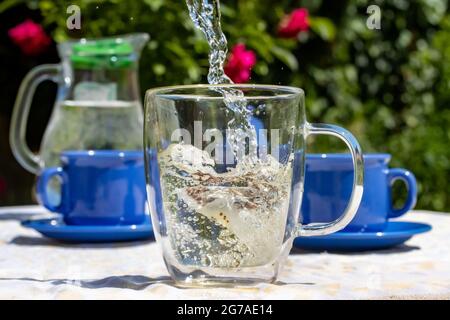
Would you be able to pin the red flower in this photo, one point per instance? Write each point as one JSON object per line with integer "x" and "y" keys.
{"x": 240, "y": 63}
{"x": 294, "y": 23}
{"x": 30, "y": 37}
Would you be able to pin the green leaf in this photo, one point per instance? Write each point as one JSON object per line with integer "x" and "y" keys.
{"x": 286, "y": 57}
{"x": 434, "y": 10}
{"x": 323, "y": 27}
{"x": 312, "y": 5}
{"x": 5, "y": 5}
{"x": 154, "y": 4}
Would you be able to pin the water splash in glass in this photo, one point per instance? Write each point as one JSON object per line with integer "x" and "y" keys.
{"x": 206, "y": 16}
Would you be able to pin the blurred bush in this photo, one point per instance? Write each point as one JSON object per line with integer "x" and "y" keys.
{"x": 390, "y": 87}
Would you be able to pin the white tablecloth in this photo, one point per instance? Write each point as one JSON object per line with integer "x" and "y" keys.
{"x": 34, "y": 267}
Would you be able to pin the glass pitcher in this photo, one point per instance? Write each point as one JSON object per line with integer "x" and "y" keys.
{"x": 97, "y": 105}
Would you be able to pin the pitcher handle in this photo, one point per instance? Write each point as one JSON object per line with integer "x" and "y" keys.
{"x": 317, "y": 229}
{"x": 17, "y": 132}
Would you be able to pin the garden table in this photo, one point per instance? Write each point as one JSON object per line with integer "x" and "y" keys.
{"x": 34, "y": 267}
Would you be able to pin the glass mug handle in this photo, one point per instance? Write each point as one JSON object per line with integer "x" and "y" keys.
{"x": 21, "y": 110}
{"x": 317, "y": 229}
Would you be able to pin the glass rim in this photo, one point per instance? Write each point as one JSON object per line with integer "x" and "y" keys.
{"x": 285, "y": 91}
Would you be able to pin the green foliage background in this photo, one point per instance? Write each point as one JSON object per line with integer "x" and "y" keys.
{"x": 390, "y": 87}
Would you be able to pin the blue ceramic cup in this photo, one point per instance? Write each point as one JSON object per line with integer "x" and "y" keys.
{"x": 328, "y": 184}
{"x": 104, "y": 187}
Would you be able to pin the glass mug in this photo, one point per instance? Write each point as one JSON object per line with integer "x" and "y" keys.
{"x": 225, "y": 201}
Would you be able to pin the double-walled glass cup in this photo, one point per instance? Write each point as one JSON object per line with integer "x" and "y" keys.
{"x": 225, "y": 174}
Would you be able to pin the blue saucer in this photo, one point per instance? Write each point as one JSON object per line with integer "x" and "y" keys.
{"x": 56, "y": 229}
{"x": 396, "y": 233}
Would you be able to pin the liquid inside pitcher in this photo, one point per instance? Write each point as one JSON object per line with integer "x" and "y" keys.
{"x": 92, "y": 125}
